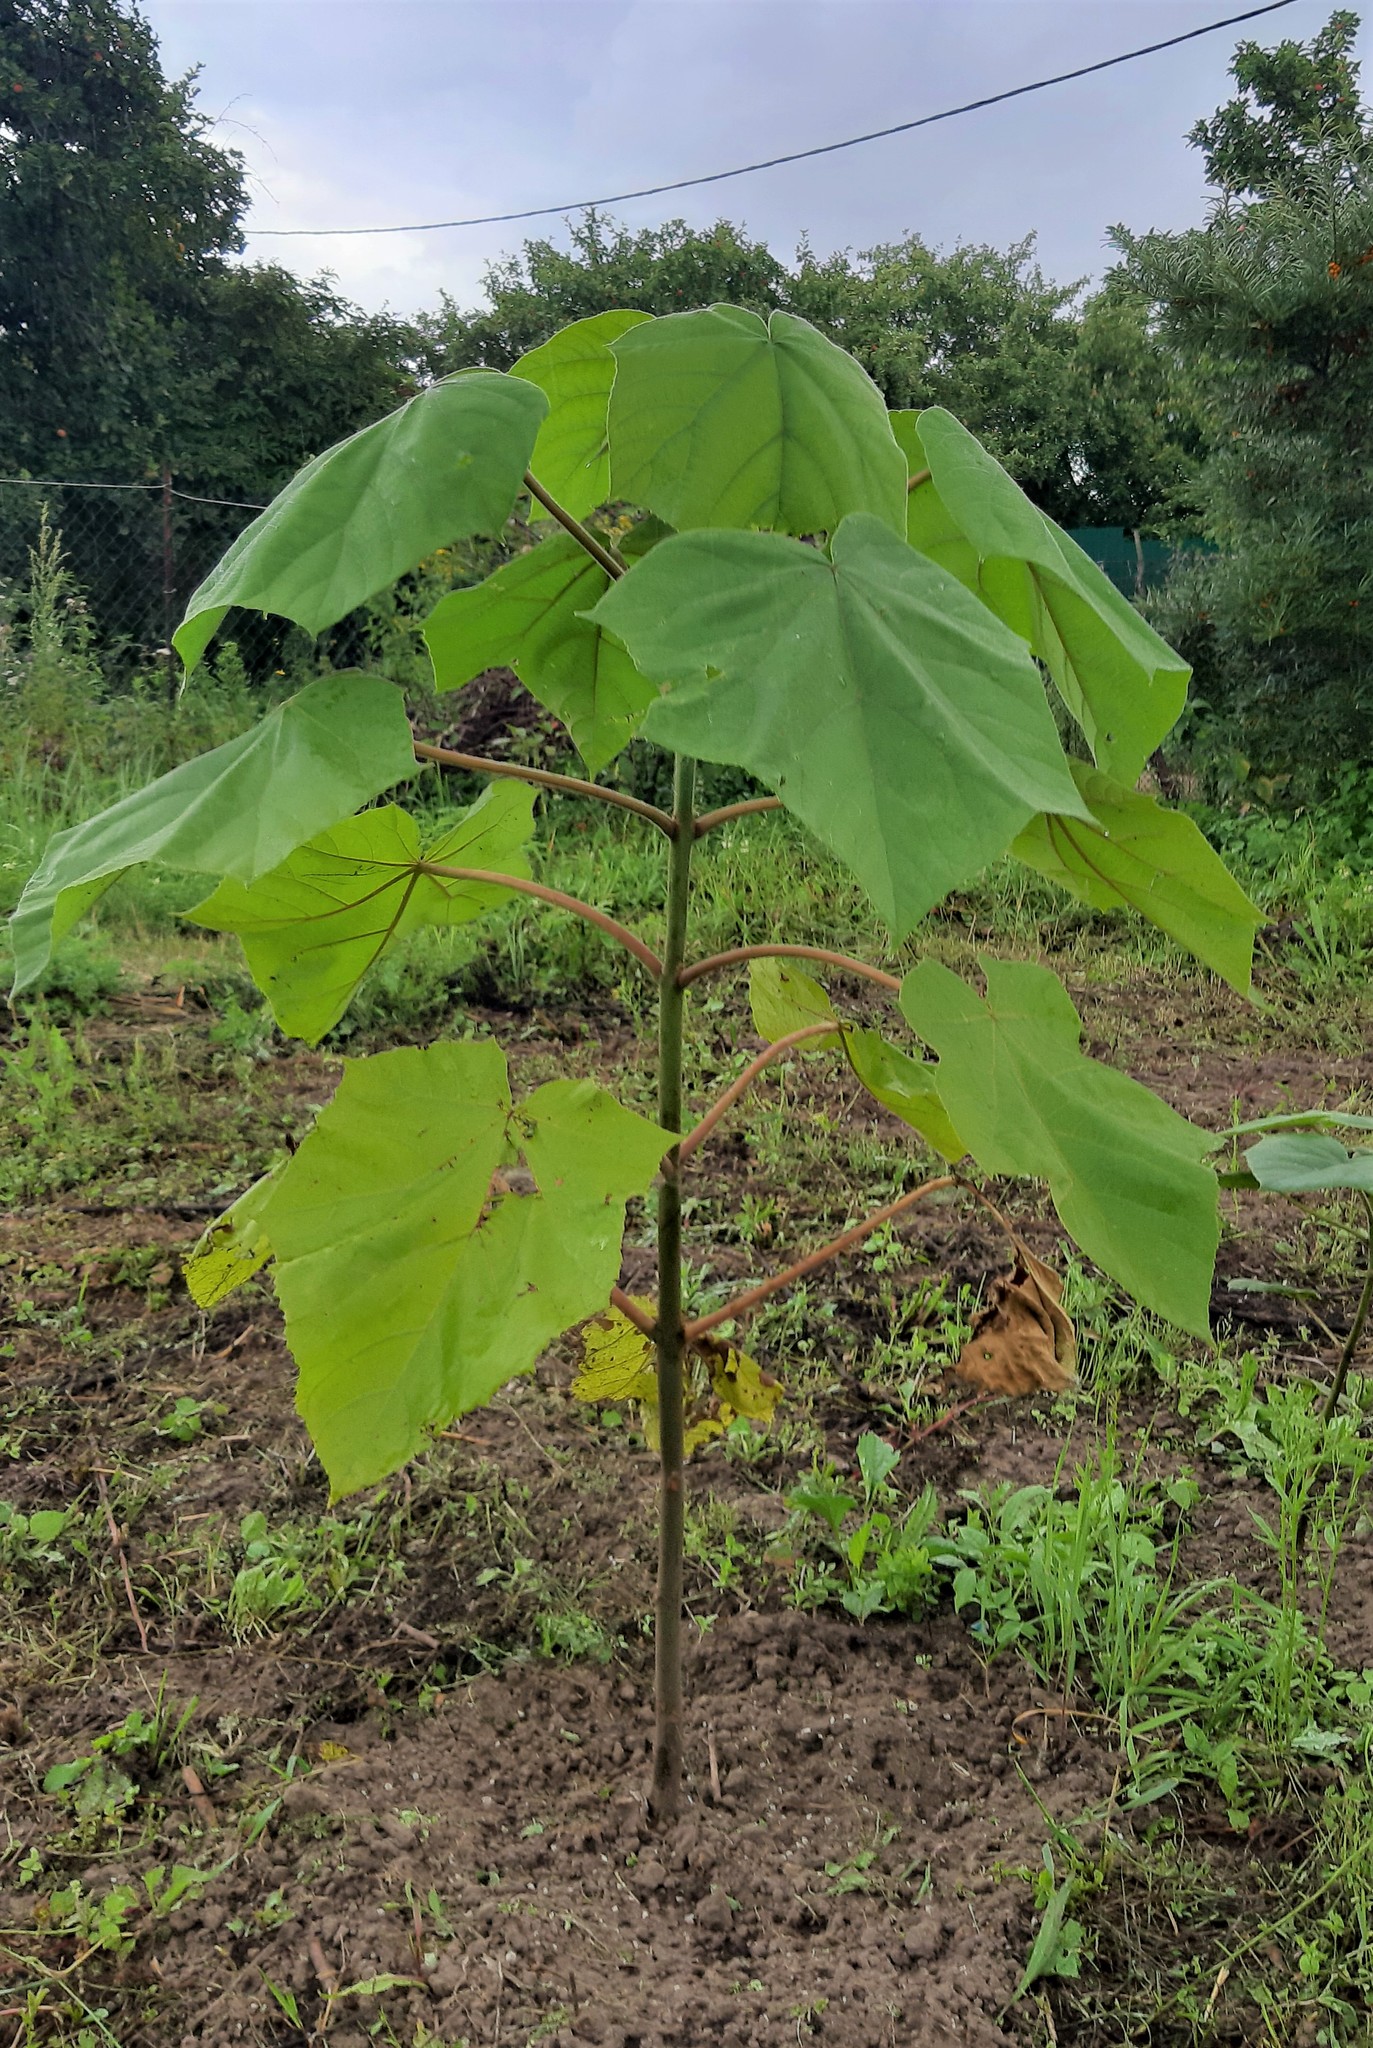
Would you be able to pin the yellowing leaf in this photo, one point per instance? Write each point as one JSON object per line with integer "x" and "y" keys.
{"x": 742, "y": 1387}
{"x": 233, "y": 1248}
{"x": 617, "y": 1361}
{"x": 783, "y": 999}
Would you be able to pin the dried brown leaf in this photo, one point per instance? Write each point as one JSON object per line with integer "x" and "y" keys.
{"x": 1022, "y": 1342}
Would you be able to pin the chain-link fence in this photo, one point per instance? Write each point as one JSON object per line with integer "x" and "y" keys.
{"x": 134, "y": 551}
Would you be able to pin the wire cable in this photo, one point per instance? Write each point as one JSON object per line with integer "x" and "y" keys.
{"x": 795, "y": 156}
{"x": 56, "y": 483}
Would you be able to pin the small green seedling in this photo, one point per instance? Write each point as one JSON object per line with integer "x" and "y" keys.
{"x": 740, "y": 556}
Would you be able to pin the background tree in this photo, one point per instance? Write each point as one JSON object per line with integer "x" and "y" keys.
{"x": 129, "y": 335}
{"x": 1272, "y": 302}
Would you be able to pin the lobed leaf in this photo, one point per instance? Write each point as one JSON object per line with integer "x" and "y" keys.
{"x": 1306, "y": 1162}
{"x": 531, "y": 616}
{"x": 313, "y": 927}
{"x": 449, "y": 463}
{"x": 784, "y": 999}
{"x": 1121, "y": 682}
{"x": 721, "y": 418}
{"x": 575, "y": 371}
{"x": 1134, "y": 854}
{"x": 888, "y": 709}
{"x": 1123, "y": 1169}
{"x": 412, "y": 1285}
{"x": 907, "y": 1087}
{"x": 234, "y": 811}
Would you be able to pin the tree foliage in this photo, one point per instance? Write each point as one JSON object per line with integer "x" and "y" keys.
{"x": 128, "y": 336}
{"x": 1272, "y": 301}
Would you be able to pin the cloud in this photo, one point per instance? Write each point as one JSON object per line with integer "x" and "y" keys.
{"x": 349, "y": 113}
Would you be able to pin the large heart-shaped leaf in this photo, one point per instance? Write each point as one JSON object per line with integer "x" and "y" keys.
{"x": 1123, "y": 685}
{"x": 529, "y": 616}
{"x": 447, "y": 464}
{"x": 720, "y": 418}
{"x": 1123, "y": 1169}
{"x": 234, "y": 811}
{"x": 1306, "y": 1162}
{"x": 413, "y": 1283}
{"x": 313, "y": 927}
{"x": 883, "y": 703}
{"x": 575, "y": 371}
{"x": 1136, "y": 854}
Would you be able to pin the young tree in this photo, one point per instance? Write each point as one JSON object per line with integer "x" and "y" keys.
{"x": 1273, "y": 303}
{"x": 859, "y": 609}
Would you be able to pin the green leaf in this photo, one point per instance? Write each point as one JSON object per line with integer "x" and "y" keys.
{"x": 888, "y": 709}
{"x": 233, "y": 1248}
{"x": 907, "y": 1087}
{"x": 413, "y": 1286}
{"x": 783, "y": 1000}
{"x": 575, "y": 371}
{"x": 1304, "y": 1162}
{"x": 449, "y": 463}
{"x": 1157, "y": 862}
{"x": 314, "y": 926}
{"x": 529, "y": 616}
{"x": 719, "y": 418}
{"x": 1123, "y": 685}
{"x": 1334, "y": 1119}
{"x": 1123, "y": 1169}
{"x": 234, "y": 811}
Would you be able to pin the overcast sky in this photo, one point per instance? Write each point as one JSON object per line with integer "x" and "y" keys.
{"x": 353, "y": 112}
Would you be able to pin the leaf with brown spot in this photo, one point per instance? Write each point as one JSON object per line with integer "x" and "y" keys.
{"x": 1022, "y": 1343}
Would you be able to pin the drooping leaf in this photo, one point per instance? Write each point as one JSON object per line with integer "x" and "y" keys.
{"x": 740, "y": 1386}
{"x": 1022, "y": 1341}
{"x": 784, "y": 999}
{"x": 1304, "y": 1162}
{"x": 1121, "y": 682}
{"x": 575, "y": 370}
{"x": 233, "y": 1248}
{"x": 237, "y": 810}
{"x": 719, "y": 418}
{"x": 907, "y": 1087}
{"x": 888, "y": 709}
{"x": 618, "y": 1364}
{"x": 530, "y": 616}
{"x": 449, "y": 463}
{"x": 313, "y": 927}
{"x": 1123, "y": 1169}
{"x": 411, "y": 1287}
{"x": 1136, "y": 854}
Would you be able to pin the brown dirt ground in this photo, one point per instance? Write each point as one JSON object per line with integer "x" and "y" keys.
{"x": 472, "y": 1823}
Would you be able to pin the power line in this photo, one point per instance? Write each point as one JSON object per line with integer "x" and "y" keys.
{"x": 795, "y": 156}
{"x": 54, "y": 483}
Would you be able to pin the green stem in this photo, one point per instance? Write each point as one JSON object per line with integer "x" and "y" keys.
{"x": 1356, "y": 1328}
{"x": 598, "y": 550}
{"x": 669, "y": 1336}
